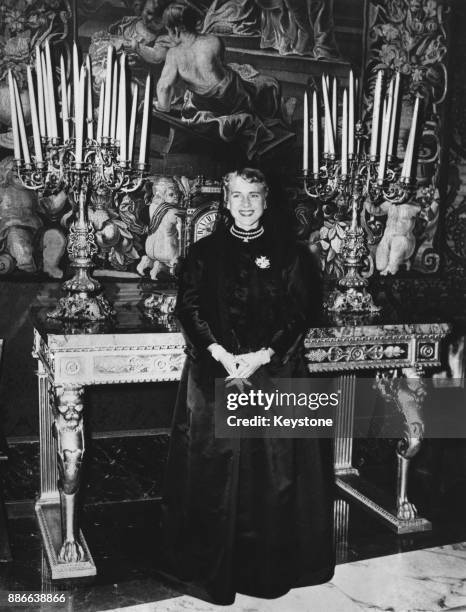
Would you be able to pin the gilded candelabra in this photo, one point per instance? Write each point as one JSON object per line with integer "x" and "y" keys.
{"x": 360, "y": 184}
{"x": 99, "y": 169}
{"x": 361, "y": 174}
{"x": 79, "y": 161}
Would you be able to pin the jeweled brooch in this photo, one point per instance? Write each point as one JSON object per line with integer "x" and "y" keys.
{"x": 263, "y": 262}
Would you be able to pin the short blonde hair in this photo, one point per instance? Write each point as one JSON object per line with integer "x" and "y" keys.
{"x": 252, "y": 175}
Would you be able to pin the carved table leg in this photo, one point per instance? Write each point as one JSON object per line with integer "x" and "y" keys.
{"x": 61, "y": 453}
{"x": 407, "y": 393}
{"x": 400, "y": 514}
{"x": 341, "y": 529}
{"x": 343, "y": 450}
{"x": 48, "y": 451}
{"x": 410, "y": 398}
{"x": 70, "y": 448}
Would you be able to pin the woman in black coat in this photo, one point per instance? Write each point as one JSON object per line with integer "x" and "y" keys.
{"x": 245, "y": 515}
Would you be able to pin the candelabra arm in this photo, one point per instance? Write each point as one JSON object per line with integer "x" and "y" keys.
{"x": 132, "y": 186}
{"x": 308, "y": 192}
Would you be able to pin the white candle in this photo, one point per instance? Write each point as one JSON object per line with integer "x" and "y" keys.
{"x": 132, "y": 122}
{"x": 328, "y": 118}
{"x": 384, "y": 112}
{"x": 385, "y": 133}
{"x": 315, "y": 134}
{"x": 64, "y": 101}
{"x": 79, "y": 116}
{"x": 389, "y": 100}
{"x": 48, "y": 119}
{"x": 376, "y": 115}
{"x": 325, "y": 136}
{"x": 344, "y": 136}
{"x": 51, "y": 90}
{"x": 89, "y": 114}
{"x": 108, "y": 93}
{"x": 22, "y": 127}
{"x": 335, "y": 108}
{"x": 409, "y": 153}
{"x": 351, "y": 115}
{"x": 75, "y": 76}
{"x": 122, "y": 110}
{"x": 40, "y": 93}
{"x": 391, "y": 138}
{"x": 145, "y": 123}
{"x": 14, "y": 117}
{"x": 326, "y": 126}
{"x": 306, "y": 133}
{"x": 35, "y": 122}
{"x": 100, "y": 116}
{"x": 113, "y": 116}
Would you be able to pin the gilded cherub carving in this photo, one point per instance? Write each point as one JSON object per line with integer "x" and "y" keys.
{"x": 398, "y": 242}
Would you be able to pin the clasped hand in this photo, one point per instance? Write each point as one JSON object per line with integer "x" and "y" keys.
{"x": 241, "y": 366}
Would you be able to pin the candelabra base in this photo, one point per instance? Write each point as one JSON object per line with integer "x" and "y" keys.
{"x": 351, "y": 300}
{"x": 82, "y": 307}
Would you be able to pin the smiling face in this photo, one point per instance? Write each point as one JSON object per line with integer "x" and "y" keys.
{"x": 246, "y": 202}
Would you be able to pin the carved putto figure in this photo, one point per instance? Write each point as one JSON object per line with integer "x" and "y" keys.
{"x": 163, "y": 240}
{"x": 398, "y": 241}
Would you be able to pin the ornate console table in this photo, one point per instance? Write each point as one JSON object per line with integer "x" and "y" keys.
{"x": 68, "y": 361}
{"x": 134, "y": 351}
{"x": 388, "y": 350}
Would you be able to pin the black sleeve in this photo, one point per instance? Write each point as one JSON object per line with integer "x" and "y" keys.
{"x": 303, "y": 303}
{"x": 192, "y": 284}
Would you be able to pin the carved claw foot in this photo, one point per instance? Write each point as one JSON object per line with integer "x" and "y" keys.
{"x": 406, "y": 511}
{"x": 71, "y": 552}
{"x": 408, "y": 394}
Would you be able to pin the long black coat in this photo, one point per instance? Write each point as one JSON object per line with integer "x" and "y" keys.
{"x": 246, "y": 515}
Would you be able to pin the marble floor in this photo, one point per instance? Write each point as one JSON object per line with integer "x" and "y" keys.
{"x": 377, "y": 570}
{"x": 422, "y": 580}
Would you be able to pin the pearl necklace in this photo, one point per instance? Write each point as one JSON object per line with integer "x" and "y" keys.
{"x": 246, "y": 235}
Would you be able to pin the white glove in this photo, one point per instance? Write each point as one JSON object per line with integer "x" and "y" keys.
{"x": 253, "y": 361}
{"x": 228, "y": 361}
